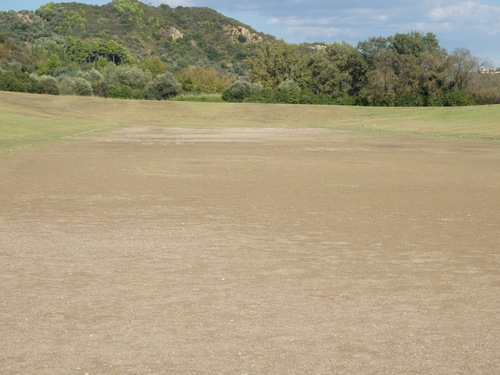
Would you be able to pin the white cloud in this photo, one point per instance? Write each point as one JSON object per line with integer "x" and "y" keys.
{"x": 455, "y": 11}
{"x": 471, "y": 12}
{"x": 382, "y": 17}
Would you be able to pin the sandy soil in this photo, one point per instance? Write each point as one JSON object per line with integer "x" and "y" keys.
{"x": 250, "y": 251}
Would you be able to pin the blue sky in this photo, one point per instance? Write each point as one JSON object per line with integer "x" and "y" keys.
{"x": 471, "y": 24}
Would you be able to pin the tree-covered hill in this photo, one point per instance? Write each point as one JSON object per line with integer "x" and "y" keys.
{"x": 128, "y": 49}
{"x": 185, "y": 35}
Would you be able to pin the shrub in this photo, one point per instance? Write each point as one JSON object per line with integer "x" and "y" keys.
{"x": 17, "y": 81}
{"x": 163, "y": 87}
{"x": 100, "y": 88}
{"x": 290, "y": 91}
{"x": 120, "y": 92}
{"x": 133, "y": 77}
{"x": 74, "y": 86}
{"x": 488, "y": 96}
{"x": 14, "y": 66}
{"x": 124, "y": 92}
{"x": 407, "y": 99}
{"x": 10, "y": 82}
{"x": 70, "y": 70}
{"x": 93, "y": 76}
{"x": 65, "y": 83}
{"x": 48, "y": 85}
{"x": 212, "y": 98}
{"x": 203, "y": 79}
{"x": 238, "y": 91}
{"x": 154, "y": 65}
{"x": 458, "y": 98}
{"x": 82, "y": 87}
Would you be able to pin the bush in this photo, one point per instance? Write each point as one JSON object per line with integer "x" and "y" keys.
{"x": 458, "y": 98}
{"x": 238, "y": 91}
{"x": 93, "y": 76}
{"x": 17, "y": 81}
{"x": 488, "y": 96}
{"x": 100, "y": 88}
{"x": 299, "y": 96}
{"x": 486, "y": 89}
{"x": 124, "y": 92}
{"x": 82, "y": 87}
{"x": 203, "y": 79}
{"x": 65, "y": 83}
{"x": 212, "y": 98}
{"x": 163, "y": 87}
{"x": 70, "y": 71}
{"x": 11, "y": 82}
{"x": 135, "y": 78}
{"x": 14, "y": 66}
{"x": 74, "y": 86}
{"x": 154, "y": 65}
{"x": 120, "y": 92}
{"x": 290, "y": 91}
{"x": 48, "y": 85}
{"x": 434, "y": 101}
{"x": 408, "y": 100}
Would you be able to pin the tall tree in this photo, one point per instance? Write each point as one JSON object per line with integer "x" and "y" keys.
{"x": 381, "y": 80}
{"x": 337, "y": 70}
{"x": 276, "y": 62}
{"x": 461, "y": 67}
{"x": 405, "y": 69}
{"x": 413, "y": 43}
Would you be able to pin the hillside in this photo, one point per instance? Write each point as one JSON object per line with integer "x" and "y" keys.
{"x": 182, "y": 35}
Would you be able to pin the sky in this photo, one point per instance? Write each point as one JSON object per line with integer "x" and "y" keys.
{"x": 470, "y": 24}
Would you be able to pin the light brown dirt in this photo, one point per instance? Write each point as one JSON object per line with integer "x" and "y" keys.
{"x": 155, "y": 250}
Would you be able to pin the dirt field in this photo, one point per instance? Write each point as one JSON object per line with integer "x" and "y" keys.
{"x": 155, "y": 250}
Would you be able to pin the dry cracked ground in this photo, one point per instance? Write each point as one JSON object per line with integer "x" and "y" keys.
{"x": 154, "y": 250}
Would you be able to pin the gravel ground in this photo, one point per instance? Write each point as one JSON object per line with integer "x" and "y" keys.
{"x": 156, "y": 250}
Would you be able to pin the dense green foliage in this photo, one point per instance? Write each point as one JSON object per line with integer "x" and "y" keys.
{"x": 163, "y": 87}
{"x": 128, "y": 49}
{"x": 402, "y": 70}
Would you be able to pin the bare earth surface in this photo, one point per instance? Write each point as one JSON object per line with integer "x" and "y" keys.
{"x": 250, "y": 251}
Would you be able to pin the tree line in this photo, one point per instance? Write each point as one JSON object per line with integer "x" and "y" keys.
{"x": 406, "y": 69}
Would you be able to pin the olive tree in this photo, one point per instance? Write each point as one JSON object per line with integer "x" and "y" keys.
{"x": 133, "y": 77}
{"x": 163, "y": 87}
{"x": 238, "y": 91}
{"x": 47, "y": 84}
{"x": 74, "y": 86}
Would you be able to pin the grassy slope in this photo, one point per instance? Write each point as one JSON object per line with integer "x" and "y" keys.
{"x": 29, "y": 120}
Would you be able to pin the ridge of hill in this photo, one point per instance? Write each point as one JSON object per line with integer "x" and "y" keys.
{"x": 186, "y": 34}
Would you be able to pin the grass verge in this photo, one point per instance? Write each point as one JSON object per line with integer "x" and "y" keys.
{"x": 29, "y": 120}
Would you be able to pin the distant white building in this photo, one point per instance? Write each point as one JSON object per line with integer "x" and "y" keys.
{"x": 490, "y": 70}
